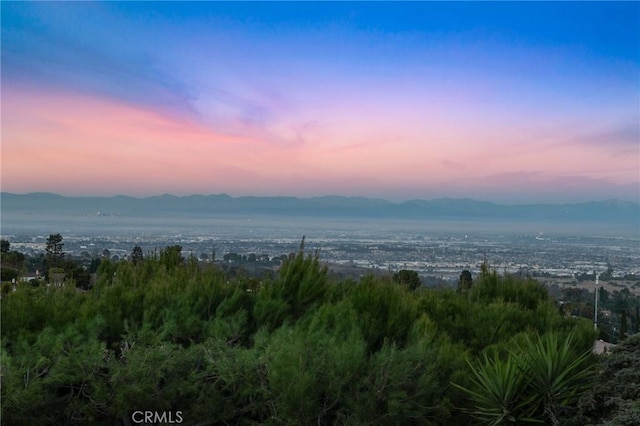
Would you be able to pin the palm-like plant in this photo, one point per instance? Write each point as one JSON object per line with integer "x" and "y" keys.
{"x": 498, "y": 396}
{"x": 557, "y": 375}
{"x": 533, "y": 384}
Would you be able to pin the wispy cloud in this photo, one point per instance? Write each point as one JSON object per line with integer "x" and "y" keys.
{"x": 622, "y": 138}
{"x": 104, "y": 59}
{"x": 327, "y": 98}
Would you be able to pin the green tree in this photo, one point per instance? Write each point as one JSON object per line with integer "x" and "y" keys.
{"x": 314, "y": 367}
{"x": 300, "y": 285}
{"x": 623, "y": 326}
{"x": 615, "y": 396}
{"x": 465, "y": 282}
{"x": 54, "y": 252}
{"x": 171, "y": 256}
{"x": 136, "y": 255}
{"x": 4, "y": 246}
{"x": 385, "y": 312}
{"x": 295, "y": 348}
{"x": 408, "y": 277}
{"x": 12, "y": 265}
{"x": 80, "y": 276}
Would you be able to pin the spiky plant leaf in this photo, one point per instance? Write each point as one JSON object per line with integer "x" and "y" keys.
{"x": 497, "y": 392}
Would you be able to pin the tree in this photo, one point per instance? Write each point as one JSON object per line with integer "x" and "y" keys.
{"x": 8, "y": 274}
{"x": 301, "y": 285}
{"x": 623, "y": 326}
{"x": 408, "y": 278}
{"x": 4, "y": 246}
{"x": 94, "y": 265}
{"x": 54, "y": 255}
{"x": 231, "y": 257}
{"x": 77, "y": 273}
{"x": 136, "y": 255}
{"x": 615, "y": 398}
{"x": 466, "y": 281}
{"x": 12, "y": 264}
{"x": 171, "y": 256}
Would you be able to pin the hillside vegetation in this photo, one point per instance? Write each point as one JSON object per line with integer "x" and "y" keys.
{"x": 167, "y": 334}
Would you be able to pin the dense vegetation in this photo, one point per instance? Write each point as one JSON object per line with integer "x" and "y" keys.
{"x": 618, "y": 310}
{"x": 167, "y": 334}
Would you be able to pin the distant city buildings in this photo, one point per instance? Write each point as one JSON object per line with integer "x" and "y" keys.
{"x": 569, "y": 259}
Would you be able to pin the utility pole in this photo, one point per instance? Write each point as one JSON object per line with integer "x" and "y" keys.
{"x": 595, "y": 316}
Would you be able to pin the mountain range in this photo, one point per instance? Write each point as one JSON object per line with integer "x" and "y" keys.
{"x": 612, "y": 211}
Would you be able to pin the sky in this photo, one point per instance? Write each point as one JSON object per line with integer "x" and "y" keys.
{"x": 511, "y": 102}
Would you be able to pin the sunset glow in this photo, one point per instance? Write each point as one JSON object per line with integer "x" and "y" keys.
{"x": 396, "y": 101}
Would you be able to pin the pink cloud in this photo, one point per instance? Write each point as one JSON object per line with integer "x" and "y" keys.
{"x": 75, "y": 143}
{"x": 63, "y": 141}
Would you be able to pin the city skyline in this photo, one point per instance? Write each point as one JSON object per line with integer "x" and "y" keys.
{"x": 507, "y": 102}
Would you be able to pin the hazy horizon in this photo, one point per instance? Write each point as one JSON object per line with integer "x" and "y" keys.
{"x": 25, "y": 211}
{"x": 505, "y": 102}
{"x": 393, "y": 200}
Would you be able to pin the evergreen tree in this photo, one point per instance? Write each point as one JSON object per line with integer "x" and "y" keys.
{"x": 297, "y": 348}
{"x": 615, "y": 396}
{"x": 136, "y": 255}
{"x": 54, "y": 252}
{"x": 408, "y": 278}
{"x": 171, "y": 256}
{"x": 465, "y": 282}
{"x": 623, "y": 326}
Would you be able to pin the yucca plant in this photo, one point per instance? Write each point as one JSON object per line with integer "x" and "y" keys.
{"x": 498, "y": 392}
{"x": 557, "y": 375}
{"x": 537, "y": 382}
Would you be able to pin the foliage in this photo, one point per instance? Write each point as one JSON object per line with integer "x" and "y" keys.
{"x": 54, "y": 252}
{"x": 497, "y": 392}
{"x": 527, "y": 293}
{"x": 385, "y": 312}
{"x": 314, "y": 366}
{"x": 165, "y": 333}
{"x": 301, "y": 285}
{"x": 11, "y": 263}
{"x": 408, "y": 278}
{"x": 623, "y": 306}
{"x": 136, "y": 255}
{"x": 465, "y": 282}
{"x": 171, "y": 256}
{"x": 540, "y": 381}
{"x": 615, "y": 397}
{"x": 557, "y": 374}
{"x": 233, "y": 387}
{"x": 8, "y": 274}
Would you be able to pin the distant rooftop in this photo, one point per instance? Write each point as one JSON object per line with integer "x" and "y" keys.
{"x": 600, "y": 347}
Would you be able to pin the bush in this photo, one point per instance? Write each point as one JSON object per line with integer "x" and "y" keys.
{"x": 615, "y": 397}
{"x": 541, "y": 380}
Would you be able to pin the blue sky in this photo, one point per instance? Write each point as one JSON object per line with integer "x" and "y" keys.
{"x": 518, "y": 101}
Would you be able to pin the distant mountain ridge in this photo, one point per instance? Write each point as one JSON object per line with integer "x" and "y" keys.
{"x": 326, "y": 206}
